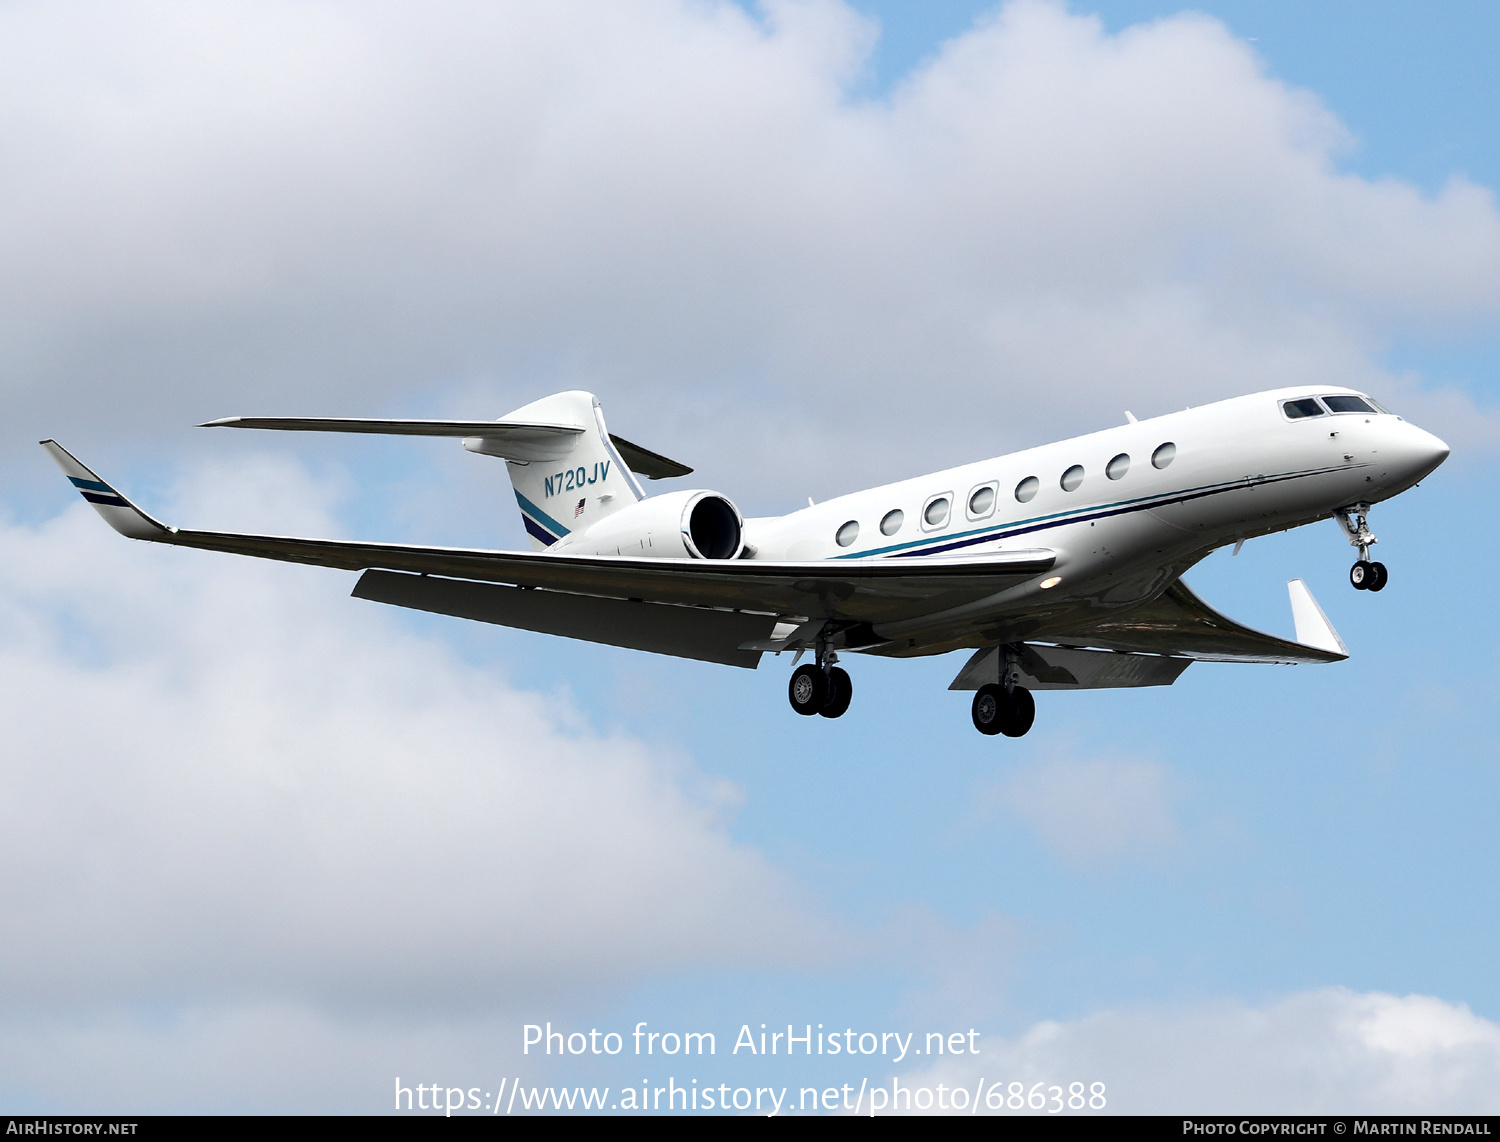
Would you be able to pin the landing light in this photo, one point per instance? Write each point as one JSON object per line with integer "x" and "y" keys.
{"x": 1052, "y": 582}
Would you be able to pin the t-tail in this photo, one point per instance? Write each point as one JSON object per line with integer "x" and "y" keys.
{"x": 568, "y": 472}
{"x": 567, "y": 482}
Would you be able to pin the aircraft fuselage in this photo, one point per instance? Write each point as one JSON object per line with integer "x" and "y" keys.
{"x": 1126, "y": 509}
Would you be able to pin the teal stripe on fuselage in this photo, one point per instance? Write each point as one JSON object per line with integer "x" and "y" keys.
{"x": 1058, "y": 519}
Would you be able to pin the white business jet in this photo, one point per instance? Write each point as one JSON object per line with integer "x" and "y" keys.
{"x": 1059, "y": 567}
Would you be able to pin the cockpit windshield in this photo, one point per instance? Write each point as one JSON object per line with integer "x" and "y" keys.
{"x": 1300, "y": 409}
{"x": 1343, "y": 403}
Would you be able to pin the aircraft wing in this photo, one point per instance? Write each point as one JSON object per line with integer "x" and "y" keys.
{"x": 1180, "y": 624}
{"x": 876, "y": 590}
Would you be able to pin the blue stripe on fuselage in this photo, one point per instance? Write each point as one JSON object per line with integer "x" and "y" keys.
{"x": 1078, "y": 515}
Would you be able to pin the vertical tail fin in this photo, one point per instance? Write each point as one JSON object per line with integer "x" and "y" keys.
{"x": 572, "y": 483}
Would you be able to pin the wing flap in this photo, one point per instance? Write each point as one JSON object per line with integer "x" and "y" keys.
{"x": 1069, "y": 668}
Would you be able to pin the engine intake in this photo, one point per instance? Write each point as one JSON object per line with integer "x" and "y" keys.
{"x": 680, "y": 525}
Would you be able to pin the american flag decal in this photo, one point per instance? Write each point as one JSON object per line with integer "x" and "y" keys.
{"x": 578, "y": 511}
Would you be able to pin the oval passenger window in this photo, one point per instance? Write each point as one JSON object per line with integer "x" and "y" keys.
{"x": 1072, "y": 478}
{"x": 848, "y": 533}
{"x": 936, "y": 512}
{"x": 1027, "y": 489}
{"x": 1164, "y": 455}
{"x": 892, "y": 522}
{"x": 982, "y": 501}
{"x": 1118, "y": 466}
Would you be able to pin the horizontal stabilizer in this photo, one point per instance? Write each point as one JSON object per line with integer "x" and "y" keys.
{"x": 683, "y": 632}
{"x": 1069, "y": 668}
{"x": 509, "y": 439}
{"x": 646, "y": 463}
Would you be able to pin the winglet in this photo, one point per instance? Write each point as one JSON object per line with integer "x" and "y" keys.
{"x": 1313, "y": 627}
{"x": 118, "y": 512}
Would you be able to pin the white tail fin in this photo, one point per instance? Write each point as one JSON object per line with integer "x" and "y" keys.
{"x": 576, "y": 481}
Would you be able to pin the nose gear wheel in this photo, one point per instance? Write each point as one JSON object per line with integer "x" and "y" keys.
{"x": 1364, "y": 575}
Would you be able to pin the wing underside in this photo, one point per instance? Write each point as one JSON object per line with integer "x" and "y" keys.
{"x": 1181, "y": 624}
{"x": 1151, "y": 645}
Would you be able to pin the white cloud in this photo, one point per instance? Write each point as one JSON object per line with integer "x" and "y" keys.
{"x": 1330, "y": 1051}
{"x": 226, "y": 783}
{"x": 1093, "y": 811}
{"x": 348, "y": 208}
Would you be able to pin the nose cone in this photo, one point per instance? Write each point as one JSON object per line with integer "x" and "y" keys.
{"x": 1424, "y": 452}
{"x": 1410, "y": 454}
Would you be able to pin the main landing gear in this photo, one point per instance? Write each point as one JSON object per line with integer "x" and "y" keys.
{"x": 821, "y": 687}
{"x": 1364, "y": 575}
{"x": 1004, "y": 707}
{"x": 998, "y": 712}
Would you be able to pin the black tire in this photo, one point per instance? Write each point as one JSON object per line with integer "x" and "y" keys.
{"x": 1379, "y": 577}
{"x": 991, "y": 708}
{"x": 840, "y": 693}
{"x": 1361, "y": 575}
{"x": 1022, "y": 713}
{"x": 808, "y": 690}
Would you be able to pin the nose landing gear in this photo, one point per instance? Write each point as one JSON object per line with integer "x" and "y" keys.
{"x": 821, "y": 687}
{"x": 1364, "y": 575}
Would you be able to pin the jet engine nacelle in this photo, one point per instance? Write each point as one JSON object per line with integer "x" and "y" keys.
{"x": 680, "y": 525}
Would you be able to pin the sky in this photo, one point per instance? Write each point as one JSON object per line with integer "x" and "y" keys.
{"x": 272, "y": 849}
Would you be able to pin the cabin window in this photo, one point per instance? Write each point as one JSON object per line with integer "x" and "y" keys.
{"x": 982, "y": 501}
{"x": 1164, "y": 455}
{"x": 1027, "y": 489}
{"x": 848, "y": 533}
{"x": 1301, "y": 409}
{"x": 1072, "y": 478}
{"x": 892, "y": 522}
{"x": 1346, "y": 404}
{"x": 1117, "y": 467}
{"x": 935, "y": 514}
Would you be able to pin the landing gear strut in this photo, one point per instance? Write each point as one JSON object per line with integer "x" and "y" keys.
{"x": 821, "y": 687}
{"x": 1004, "y": 707}
{"x": 1364, "y": 575}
